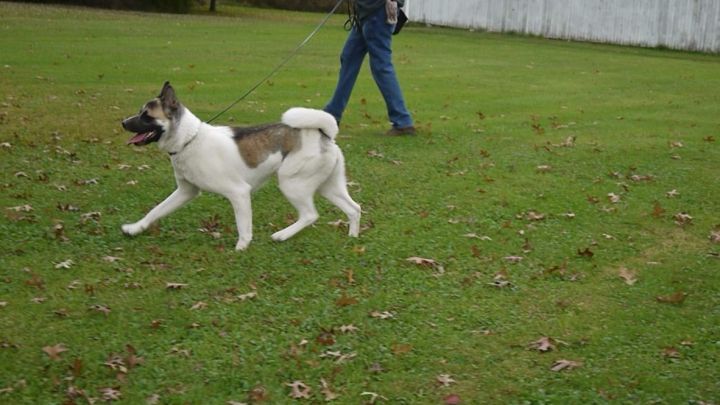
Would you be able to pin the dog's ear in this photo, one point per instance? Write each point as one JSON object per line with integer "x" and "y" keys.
{"x": 168, "y": 98}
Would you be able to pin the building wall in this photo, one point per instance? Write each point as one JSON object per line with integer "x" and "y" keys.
{"x": 678, "y": 24}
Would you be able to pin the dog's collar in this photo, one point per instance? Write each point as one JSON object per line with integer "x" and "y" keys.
{"x": 195, "y": 135}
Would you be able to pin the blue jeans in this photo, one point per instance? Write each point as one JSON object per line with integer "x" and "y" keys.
{"x": 373, "y": 36}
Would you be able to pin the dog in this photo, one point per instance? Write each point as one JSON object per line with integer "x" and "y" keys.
{"x": 235, "y": 161}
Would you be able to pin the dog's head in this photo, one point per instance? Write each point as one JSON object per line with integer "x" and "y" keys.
{"x": 155, "y": 118}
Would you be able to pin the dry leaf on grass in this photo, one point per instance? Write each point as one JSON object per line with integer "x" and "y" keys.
{"x": 110, "y": 394}
{"x": 299, "y": 390}
{"x": 104, "y": 309}
{"x": 421, "y": 261}
{"x": 543, "y": 345}
{"x": 199, "y": 305}
{"x": 658, "y": 210}
{"x": 382, "y": 314}
{"x": 675, "y": 298}
{"x": 54, "y": 351}
{"x": 586, "y": 253}
{"x": 326, "y": 391}
{"x": 338, "y": 356}
{"x": 500, "y": 280}
{"x": 627, "y": 275}
{"x": 445, "y": 380}
{"x": 345, "y": 301}
{"x": 513, "y": 259}
{"x": 348, "y": 328}
{"x": 65, "y": 265}
{"x": 247, "y": 296}
{"x": 715, "y": 236}
{"x": 561, "y": 365}
{"x": 401, "y": 348}
{"x": 373, "y": 396}
{"x": 682, "y": 219}
{"x": 671, "y": 353}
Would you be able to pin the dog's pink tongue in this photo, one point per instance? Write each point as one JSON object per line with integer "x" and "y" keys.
{"x": 137, "y": 139}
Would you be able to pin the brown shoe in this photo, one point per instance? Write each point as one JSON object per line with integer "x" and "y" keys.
{"x": 394, "y": 131}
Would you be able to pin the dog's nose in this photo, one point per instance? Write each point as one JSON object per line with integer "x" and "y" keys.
{"x": 123, "y": 124}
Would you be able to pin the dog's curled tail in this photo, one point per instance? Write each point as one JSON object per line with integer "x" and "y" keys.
{"x": 308, "y": 118}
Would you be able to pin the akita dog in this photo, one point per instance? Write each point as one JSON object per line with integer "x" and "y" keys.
{"x": 233, "y": 162}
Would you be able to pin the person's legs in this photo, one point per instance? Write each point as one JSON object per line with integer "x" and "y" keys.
{"x": 351, "y": 60}
{"x": 378, "y": 36}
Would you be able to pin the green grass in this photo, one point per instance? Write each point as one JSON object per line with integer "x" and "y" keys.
{"x": 491, "y": 109}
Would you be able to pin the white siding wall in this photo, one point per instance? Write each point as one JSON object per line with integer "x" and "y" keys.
{"x": 678, "y": 24}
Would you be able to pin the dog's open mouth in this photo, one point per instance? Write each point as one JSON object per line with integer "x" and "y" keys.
{"x": 145, "y": 138}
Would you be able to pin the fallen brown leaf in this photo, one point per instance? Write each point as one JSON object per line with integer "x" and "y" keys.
{"x": 373, "y": 396}
{"x": 671, "y": 353}
{"x": 586, "y": 253}
{"x": 675, "y": 298}
{"x": 54, "y": 351}
{"x": 100, "y": 308}
{"x": 247, "y": 296}
{"x": 199, "y": 305}
{"x": 327, "y": 392}
{"x": 421, "y": 261}
{"x": 325, "y": 338}
{"x": 258, "y": 394}
{"x": 345, "y": 301}
{"x": 682, "y": 219}
{"x": 445, "y": 380}
{"x": 543, "y": 345}
{"x": 401, "y": 348}
{"x": 513, "y": 259}
{"x": 65, "y": 265}
{"x": 299, "y": 390}
{"x": 627, "y": 275}
{"x": 561, "y": 365}
{"x": 110, "y": 394}
{"x": 715, "y": 236}
{"x": 658, "y": 210}
{"x": 348, "y": 328}
{"x": 382, "y": 315}
{"x": 534, "y": 216}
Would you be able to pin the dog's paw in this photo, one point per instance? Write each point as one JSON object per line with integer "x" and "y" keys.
{"x": 242, "y": 244}
{"x": 279, "y": 236}
{"x": 132, "y": 229}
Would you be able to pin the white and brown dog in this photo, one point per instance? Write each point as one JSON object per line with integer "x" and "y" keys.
{"x": 233, "y": 162}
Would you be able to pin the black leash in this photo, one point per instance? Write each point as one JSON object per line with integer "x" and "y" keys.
{"x": 282, "y": 63}
{"x": 352, "y": 21}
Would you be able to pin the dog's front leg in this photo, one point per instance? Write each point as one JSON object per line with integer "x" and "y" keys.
{"x": 240, "y": 200}
{"x": 184, "y": 193}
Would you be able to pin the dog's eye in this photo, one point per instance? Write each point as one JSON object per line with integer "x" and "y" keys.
{"x": 145, "y": 116}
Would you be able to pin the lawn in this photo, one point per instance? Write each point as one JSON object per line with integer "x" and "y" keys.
{"x": 561, "y": 202}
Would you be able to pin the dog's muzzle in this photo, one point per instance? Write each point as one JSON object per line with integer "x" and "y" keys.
{"x": 144, "y": 133}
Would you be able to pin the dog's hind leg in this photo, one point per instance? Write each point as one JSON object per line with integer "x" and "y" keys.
{"x": 184, "y": 193}
{"x": 300, "y": 194}
{"x": 335, "y": 190}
